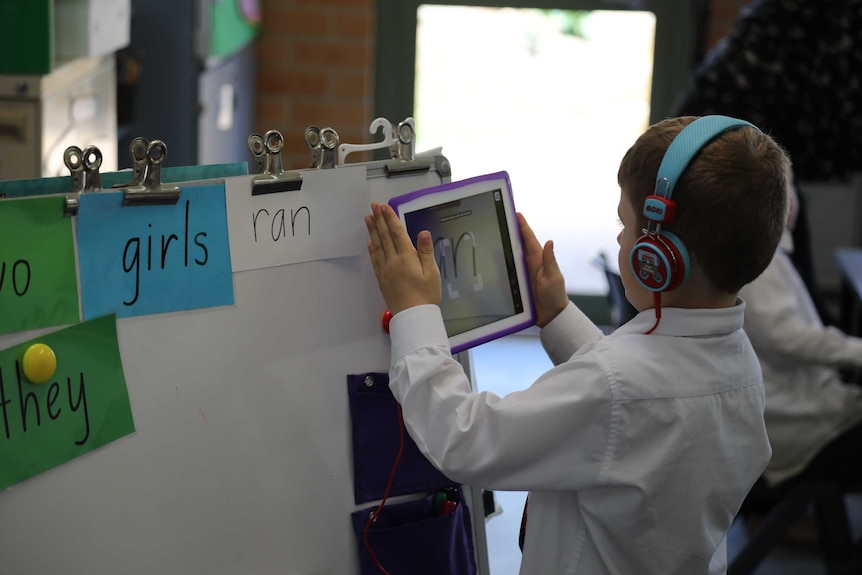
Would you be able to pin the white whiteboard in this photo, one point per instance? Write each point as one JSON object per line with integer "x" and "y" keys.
{"x": 241, "y": 458}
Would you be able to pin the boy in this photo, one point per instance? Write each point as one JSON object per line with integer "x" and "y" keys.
{"x": 637, "y": 449}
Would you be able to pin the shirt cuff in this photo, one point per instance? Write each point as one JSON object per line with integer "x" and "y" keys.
{"x": 566, "y": 333}
{"x": 416, "y": 328}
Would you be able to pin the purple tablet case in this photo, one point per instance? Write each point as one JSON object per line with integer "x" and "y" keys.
{"x": 525, "y": 295}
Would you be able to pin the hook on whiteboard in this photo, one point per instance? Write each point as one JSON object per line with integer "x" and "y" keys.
{"x": 389, "y": 139}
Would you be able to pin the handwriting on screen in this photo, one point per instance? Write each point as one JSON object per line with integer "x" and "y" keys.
{"x": 450, "y": 252}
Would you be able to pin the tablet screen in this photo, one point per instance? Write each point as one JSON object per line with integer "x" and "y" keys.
{"x": 477, "y": 246}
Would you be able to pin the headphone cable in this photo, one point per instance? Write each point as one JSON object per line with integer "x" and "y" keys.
{"x": 377, "y": 511}
{"x": 656, "y": 298}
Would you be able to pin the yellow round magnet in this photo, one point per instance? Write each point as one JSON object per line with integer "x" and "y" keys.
{"x": 39, "y": 363}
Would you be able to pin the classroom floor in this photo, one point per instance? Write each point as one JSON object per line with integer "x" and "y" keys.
{"x": 516, "y": 361}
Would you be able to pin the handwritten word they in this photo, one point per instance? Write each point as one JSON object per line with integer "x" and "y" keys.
{"x": 28, "y": 405}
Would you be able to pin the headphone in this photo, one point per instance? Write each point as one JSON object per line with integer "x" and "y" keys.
{"x": 659, "y": 259}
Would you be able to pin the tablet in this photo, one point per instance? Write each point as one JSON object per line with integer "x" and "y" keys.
{"x": 478, "y": 248}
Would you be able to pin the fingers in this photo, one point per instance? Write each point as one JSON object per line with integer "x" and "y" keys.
{"x": 425, "y": 247}
{"x": 384, "y": 236}
{"x": 531, "y": 243}
{"x": 526, "y": 231}
{"x": 373, "y": 236}
{"x": 393, "y": 238}
{"x": 532, "y": 249}
{"x": 407, "y": 277}
{"x": 374, "y": 251}
{"x": 540, "y": 259}
{"x": 396, "y": 230}
{"x": 549, "y": 259}
{"x": 402, "y": 242}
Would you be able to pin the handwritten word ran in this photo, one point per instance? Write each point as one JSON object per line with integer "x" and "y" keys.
{"x": 278, "y": 222}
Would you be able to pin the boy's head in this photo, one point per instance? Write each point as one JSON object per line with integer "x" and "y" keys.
{"x": 731, "y": 200}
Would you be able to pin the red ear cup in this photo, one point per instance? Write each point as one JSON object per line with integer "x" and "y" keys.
{"x": 651, "y": 263}
{"x": 659, "y": 262}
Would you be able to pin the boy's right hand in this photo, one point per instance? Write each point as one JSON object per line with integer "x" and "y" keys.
{"x": 407, "y": 276}
{"x": 546, "y": 280}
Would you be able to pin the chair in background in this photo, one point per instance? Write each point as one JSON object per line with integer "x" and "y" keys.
{"x": 826, "y": 501}
{"x": 621, "y": 310}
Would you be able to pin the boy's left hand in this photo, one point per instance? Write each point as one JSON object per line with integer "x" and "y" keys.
{"x": 407, "y": 276}
{"x": 549, "y": 286}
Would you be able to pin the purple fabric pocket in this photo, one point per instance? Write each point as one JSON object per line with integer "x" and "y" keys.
{"x": 374, "y": 420}
{"x": 412, "y": 537}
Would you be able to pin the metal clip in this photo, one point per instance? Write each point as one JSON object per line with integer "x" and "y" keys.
{"x": 73, "y": 157}
{"x": 273, "y": 178}
{"x": 405, "y": 135}
{"x": 92, "y": 161}
{"x": 404, "y": 159}
{"x": 138, "y": 152}
{"x": 258, "y": 150}
{"x": 323, "y": 144}
{"x": 312, "y": 140}
{"x": 273, "y": 141}
{"x": 152, "y": 191}
{"x": 84, "y": 172}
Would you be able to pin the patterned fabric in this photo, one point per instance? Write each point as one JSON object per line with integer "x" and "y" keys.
{"x": 794, "y": 69}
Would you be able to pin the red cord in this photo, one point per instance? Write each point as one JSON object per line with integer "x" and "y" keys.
{"x": 656, "y": 298}
{"x": 385, "y": 493}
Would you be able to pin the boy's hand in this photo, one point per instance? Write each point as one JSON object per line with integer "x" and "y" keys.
{"x": 407, "y": 276}
{"x": 549, "y": 286}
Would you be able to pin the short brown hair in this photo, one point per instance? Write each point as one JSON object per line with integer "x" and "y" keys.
{"x": 732, "y": 199}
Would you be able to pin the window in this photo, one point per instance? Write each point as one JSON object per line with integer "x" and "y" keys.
{"x": 552, "y": 96}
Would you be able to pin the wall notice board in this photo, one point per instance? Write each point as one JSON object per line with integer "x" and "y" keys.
{"x": 239, "y": 459}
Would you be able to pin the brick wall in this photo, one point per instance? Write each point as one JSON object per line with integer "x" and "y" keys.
{"x": 316, "y": 68}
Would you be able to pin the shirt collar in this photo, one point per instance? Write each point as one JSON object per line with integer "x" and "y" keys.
{"x": 683, "y": 322}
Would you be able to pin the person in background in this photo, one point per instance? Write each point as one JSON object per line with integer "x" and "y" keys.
{"x": 638, "y": 447}
{"x": 791, "y": 67}
{"x": 813, "y": 417}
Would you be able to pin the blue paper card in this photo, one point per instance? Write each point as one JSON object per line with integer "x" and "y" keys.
{"x": 141, "y": 260}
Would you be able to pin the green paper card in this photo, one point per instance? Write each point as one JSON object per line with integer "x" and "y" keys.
{"x": 85, "y": 405}
{"x": 38, "y": 278}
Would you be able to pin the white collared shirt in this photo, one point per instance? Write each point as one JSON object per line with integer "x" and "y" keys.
{"x": 637, "y": 450}
{"x": 807, "y": 404}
